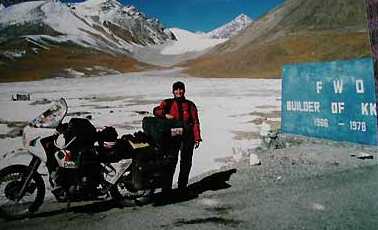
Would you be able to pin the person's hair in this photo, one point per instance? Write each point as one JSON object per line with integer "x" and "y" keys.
{"x": 178, "y": 85}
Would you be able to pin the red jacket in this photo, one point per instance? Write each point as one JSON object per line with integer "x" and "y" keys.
{"x": 189, "y": 113}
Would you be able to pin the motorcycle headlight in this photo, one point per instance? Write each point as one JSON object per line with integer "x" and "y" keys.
{"x": 60, "y": 142}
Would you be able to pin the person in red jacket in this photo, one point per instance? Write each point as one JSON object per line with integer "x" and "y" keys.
{"x": 179, "y": 108}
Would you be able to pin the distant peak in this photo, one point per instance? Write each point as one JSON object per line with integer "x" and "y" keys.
{"x": 106, "y": 3}
{"x": 243, "y": 17}
{"x": 232, "y": 28}
{"x": 95, "y": 2}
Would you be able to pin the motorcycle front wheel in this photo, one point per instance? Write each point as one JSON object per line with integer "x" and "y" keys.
{"x": 11, "y": 204}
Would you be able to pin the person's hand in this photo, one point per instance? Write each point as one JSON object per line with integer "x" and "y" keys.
{"x": 197, "y": 144}
{"x": 169, "y": 116}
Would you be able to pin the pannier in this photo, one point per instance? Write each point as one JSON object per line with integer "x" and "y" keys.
{"x": 159, "y": 129}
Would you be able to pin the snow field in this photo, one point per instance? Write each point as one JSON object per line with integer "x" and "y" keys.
{"x": 224, "y": 106}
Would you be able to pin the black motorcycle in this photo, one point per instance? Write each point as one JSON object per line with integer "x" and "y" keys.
{"x": 83, "y": 164}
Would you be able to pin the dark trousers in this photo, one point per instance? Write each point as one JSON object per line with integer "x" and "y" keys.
{"x": 185, "y": 145}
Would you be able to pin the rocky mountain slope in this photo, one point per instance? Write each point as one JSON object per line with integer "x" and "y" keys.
{"x": 296, "y": 31}
{"x": 75, "y": 36}
{"x": 232, "y": 28}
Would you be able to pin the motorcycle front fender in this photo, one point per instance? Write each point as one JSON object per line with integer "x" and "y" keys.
{"x": 21, "y": 156}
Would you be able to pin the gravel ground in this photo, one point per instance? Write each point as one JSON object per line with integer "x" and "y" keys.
{"x": 310, "y": 184}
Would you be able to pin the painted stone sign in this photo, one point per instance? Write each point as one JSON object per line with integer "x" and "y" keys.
{"x": 372, "y": 17}
{"x": 334, "y": 100}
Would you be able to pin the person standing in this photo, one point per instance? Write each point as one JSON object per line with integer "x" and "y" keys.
{"x": 181, "y": 109}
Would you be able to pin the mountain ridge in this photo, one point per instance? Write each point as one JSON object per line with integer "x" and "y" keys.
{"x": 294, "y": 32}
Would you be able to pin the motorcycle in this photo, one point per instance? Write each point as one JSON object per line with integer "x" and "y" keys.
{"x": 83, "y": 164}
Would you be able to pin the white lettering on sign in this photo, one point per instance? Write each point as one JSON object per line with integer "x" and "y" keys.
{"x": 360, "y": 86}
{"x": 369, "y": 109}
{"x": 337, "y": 107}
{"x": 303, "y": 106}
{"x": 319, "y": 86}
{"x": 358, "y": 126}
{"x": 321, "y": 122}
{"x": 338, "y": 86}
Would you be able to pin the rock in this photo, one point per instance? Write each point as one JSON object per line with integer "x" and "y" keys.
{"x": 142, "y": 112}
{"x": 254, "y": 160}
{"x": 317, "y": 206}
{"x": 21, "y": 97}
{"x": 43, "y": 101}
{"x": 16, "y": 132}
{"x": 265, "y": 129}
{"x": 335, "y": 163}
{"x": 77, "y": 114}
{"x": 363, "y": 156}
{"x": 237, "y": 154}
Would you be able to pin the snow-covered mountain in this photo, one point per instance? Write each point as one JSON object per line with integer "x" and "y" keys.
{"x": 1, "y": 6}
{"x": 126, "y": 22}
{"x": 104, "y": 25}
{"x": 90, "y": 36}
{"x": 189, "y": 42}
{"x": 232, "y": 28}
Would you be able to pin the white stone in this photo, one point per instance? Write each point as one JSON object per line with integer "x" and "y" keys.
{"x": 362, "y": 155}
{"x": 254, "y": 160}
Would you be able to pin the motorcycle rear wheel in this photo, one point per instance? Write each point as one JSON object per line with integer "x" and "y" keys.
{"x": 122, "y": 191}
{"x": 10, "y": 184}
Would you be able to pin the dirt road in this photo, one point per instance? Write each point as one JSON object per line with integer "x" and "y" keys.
{"x": 308, "y": 185}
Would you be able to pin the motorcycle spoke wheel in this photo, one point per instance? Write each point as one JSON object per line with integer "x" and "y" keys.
{"x": 11, "y": 206}
{"x": 121, "y": 191}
